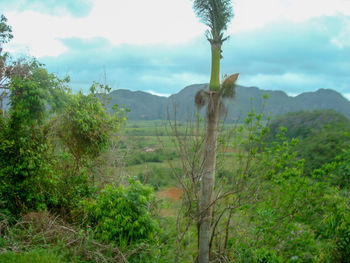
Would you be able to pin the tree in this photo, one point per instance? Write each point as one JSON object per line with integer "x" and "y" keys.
{"x": 8, "y": 68}
{"x": 25, "y": 167}
{"x": 216, "y": 14}
{"x": 5, "y": 37}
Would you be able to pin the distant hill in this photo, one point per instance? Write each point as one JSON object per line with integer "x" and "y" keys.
{"x": 303, "y": 124}
{"x": 145, "y": 106}
{"x": 322, "y": 135}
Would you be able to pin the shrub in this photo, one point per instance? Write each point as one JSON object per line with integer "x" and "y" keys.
{"x": 122, "y": 214}
{"x": 335, "y": 227}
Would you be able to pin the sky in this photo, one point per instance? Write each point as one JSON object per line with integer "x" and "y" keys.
{"x": 159, "y": 46}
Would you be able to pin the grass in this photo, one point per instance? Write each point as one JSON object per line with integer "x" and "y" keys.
{"x": 33, "y": 256}
{"x": 42, "y": 237}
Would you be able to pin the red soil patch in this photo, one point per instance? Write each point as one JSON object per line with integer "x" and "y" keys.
{"x": 171, "y": 193}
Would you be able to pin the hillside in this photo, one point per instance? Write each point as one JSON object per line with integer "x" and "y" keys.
{"x": 145, "y": 106}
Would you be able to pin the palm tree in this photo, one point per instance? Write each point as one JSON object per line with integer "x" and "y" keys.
{"x": 216, "y": 14}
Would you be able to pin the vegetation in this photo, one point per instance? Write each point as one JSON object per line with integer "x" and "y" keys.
{"x": 35, "y": 256}
{"x": 322, "y": 135}
{"x": 79, "y": 183}
{"x": 121, "y": 214}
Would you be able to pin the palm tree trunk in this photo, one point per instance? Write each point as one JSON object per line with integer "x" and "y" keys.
{"x": 214, "y": 84}
{"x": 209, "y": 163}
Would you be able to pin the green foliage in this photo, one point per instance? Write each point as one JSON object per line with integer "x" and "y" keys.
{"x": 278, "y": 220}
{"x": 84, "y": 129}
{"x": 143, "y": 157}
{"x": 337, "y": 172}
{"x": 302, "y": 124}
{"x": 85, "y": 126}
{"x": 335, "y": 227}
{"x": 5, "y": 31}
{"x": 33, "y": 256}
{"x": 25, "y": 167}
{"x": 158, "y": 176}
{"x": 68, "y": 185}
{"x": 322, "y": 135}
{"x": 323, "y": 146}
{"x": 156, "y": 156}
{"x": 24, "y": 170}
{"x": 39, "y": 169}
{"x": 303, "y": 220}
{"x": 280, "y": 215}
{"x": 244, "y": 254}
{"x": 122, "y": 214}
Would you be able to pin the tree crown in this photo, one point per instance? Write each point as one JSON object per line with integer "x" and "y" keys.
{"x": 216, "y": 14}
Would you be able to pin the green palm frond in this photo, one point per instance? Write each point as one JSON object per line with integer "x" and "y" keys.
{"x": 216, "y": 14}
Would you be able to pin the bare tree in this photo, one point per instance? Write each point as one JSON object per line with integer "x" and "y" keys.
{"x": 239, "y": 173}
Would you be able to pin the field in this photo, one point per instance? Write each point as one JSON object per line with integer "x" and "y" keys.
{"x": 152, "y": 150}
{"x": 152, "y": 154}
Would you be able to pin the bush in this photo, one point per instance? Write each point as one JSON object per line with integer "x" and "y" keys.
{"x": 335, "y": 227}
{"x": 246, "y": 254}
{"x": 122, "y": 214}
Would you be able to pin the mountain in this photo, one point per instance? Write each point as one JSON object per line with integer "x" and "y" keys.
{"x": 145, "y": 106}
{"x": 142, "y": 105}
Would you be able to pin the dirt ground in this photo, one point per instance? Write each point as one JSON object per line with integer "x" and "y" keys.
{"x": 171, "y": 193}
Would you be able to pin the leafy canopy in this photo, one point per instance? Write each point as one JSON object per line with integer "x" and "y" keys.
{"x": 216, "y": 14}
{"x": 5, "y": 31}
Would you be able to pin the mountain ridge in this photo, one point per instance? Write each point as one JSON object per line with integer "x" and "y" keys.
{"x": 146, "y": 106}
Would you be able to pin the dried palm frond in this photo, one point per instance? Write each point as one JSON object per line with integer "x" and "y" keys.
{"x": 228, "y": 87}
{"x": 201, "y": 99}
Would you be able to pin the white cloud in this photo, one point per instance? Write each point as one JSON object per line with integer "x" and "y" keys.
{"x": 153, "y": 21}
{"x": 121, "y": 22}
{"x": 250, "y": 14}
{"x": 157, "y": 93}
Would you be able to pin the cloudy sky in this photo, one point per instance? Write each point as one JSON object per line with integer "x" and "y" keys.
{"x": 159, "y": 45}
